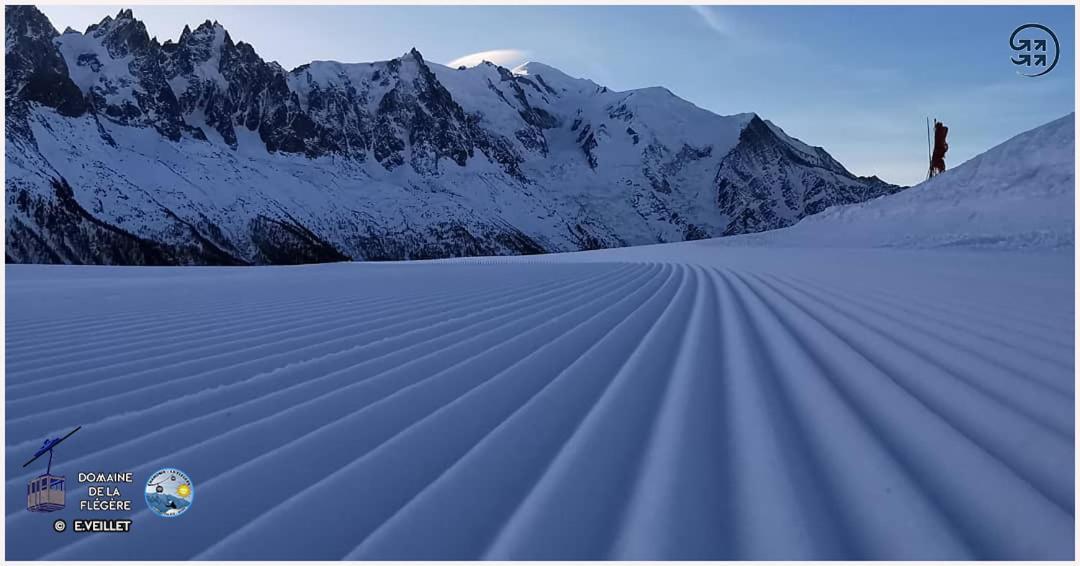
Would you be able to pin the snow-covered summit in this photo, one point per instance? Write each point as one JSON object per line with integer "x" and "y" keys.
{"x": 554, "y": 78}
{"x": 213, "y": 154}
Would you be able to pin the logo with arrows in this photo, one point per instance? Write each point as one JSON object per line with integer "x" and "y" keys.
{"x": 1035, "y": 45}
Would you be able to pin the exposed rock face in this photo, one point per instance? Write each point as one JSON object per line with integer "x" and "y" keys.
{"x": 122, "y": 149}
{"x": 770, "y": 181}
{"x": 34, "y": 69}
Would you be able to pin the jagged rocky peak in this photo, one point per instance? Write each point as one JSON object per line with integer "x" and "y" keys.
{"x": 398, "y": 111}
{"x": 193, "y": 48}
{"x": 34, "y": 69}
{"x": 123, "y": 35}
{"x": 206, "y": 33}
{"x": 798, "y": 179}
{"x": 24, "y": 22}
{"x": 418, "y": 114}
{"x": 502, "y": 160}
{"x": 27, "y": 40}
{"x": 115, "y": 67}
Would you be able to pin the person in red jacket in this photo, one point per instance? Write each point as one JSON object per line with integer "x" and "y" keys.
{"x": 937, "y": 158}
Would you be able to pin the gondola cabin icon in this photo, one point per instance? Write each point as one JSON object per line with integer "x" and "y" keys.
{"x": 45, "y": 493}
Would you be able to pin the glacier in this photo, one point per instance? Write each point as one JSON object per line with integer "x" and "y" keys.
{"x": 885, "y": 380}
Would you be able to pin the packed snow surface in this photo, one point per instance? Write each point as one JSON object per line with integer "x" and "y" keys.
{"x": 703, "y": 402}
{"x": 740, "y": 398}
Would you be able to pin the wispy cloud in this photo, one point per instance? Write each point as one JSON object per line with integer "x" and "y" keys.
{"x": 712, "y": 18}
{"x": 504, "y": 57}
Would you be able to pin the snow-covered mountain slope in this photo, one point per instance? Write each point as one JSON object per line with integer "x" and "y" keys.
{"x": 1018, "y": 194}
{"x": 751, "y": 403}
{"x": 732, "y": 398}
{"x": 122, "y": 149}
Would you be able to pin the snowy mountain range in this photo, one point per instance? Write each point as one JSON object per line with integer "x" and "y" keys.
{"x": 834, "y": 390}
{"x": 124, "y": 150}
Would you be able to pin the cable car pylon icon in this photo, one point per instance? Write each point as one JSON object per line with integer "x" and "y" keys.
{"x": 45, "y": 493}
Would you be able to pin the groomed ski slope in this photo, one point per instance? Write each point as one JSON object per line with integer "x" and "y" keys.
{"x": 764, "y": 404}
{"x": 741, "y": 398}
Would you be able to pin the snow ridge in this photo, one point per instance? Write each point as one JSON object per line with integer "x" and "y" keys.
{"x": 1019, "y": 194}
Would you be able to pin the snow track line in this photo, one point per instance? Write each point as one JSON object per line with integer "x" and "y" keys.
{"x": 474, "y": 415}
{"x": 747, "y": 404}
{"x": 104, "y": 405}
{"x": 467, "y": 541}
{"x": 382, "y": 305}
{"x": 37, "y": 328}
{"x": 1034, "y": 400}
{"x": 574, "y": 472}
{"x": 384, "y": 414}
{"x": 969, "y": 500}
{"x": 59, "y": 329}
{"x": 153, "y": 336}
{"x": 176, "y": 433}
{"x": 831, "y": 425}
{"x": 1024, "y": 291}
{"x": 1035, "y": 332}
{"x": 294, "y": 409}
{"x": 311, "y": 374}
{"x": 334, "y": 326}
{"x": 430, "y": 365}
{"x": 215, "y": 312}
{"x": 969, "y": 348}
{"x": 179, "y": 307}
{"x": 189, "y": 338}
{"x": 967, "y": 327}
{"x": 782, "y": 477}
{"x": 680, "y": 506}
{"x": 1024, "y": 445}
{"x": 235, "y": 547}
{"x": 988, "y": 313}
{"x": 198, "y": 319}
{"x": 444, "y": 513}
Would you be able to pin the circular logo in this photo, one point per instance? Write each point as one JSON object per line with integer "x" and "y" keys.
{"x": 59, "y": 525}
{"x": 1033, "y": 45}
{"x": 169, "y": 492}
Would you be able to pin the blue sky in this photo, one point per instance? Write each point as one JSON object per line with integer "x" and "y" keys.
{"x": 859, "y": 81}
